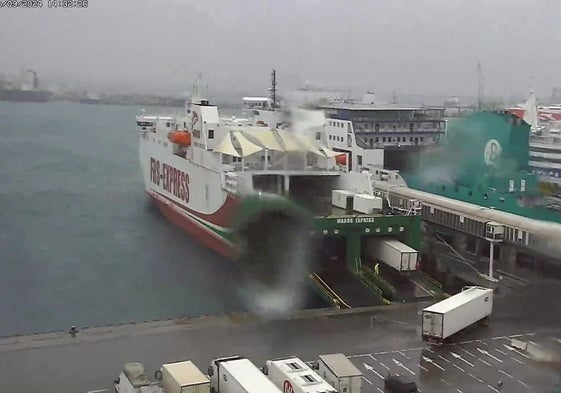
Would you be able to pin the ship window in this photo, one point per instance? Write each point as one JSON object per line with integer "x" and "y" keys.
{"x": 421, "y": 139}
{"x": 318, "y": 135}
{"x": 410, "y": 139}
{"x": 184, "y": 124}
{"x": 383, "y": 139}
{"x": 411, "y": 127}
{"x": 377, "y": 139}
{"x": 210, "y": 134}
{"x": 377, "y": 127}
{"x": 168, "y": 124}
{"x": 399, "y": 139}
{"x": 330, "y": 137}
{"x": 359, "y": 160}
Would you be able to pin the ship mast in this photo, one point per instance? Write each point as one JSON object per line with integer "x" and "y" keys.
{"x": 479, "y": 87}
{"x": 273, "y": 89}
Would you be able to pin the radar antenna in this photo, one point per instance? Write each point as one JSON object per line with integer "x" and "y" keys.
{"x": 273, "y": 89}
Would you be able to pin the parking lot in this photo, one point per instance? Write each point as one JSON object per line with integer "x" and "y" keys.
{"x": 489, "y": 365}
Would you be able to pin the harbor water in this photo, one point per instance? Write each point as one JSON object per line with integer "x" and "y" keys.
{"x": 81, "y": 243}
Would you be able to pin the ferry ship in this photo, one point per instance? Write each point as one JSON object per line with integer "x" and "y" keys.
{"x": 26, "y": 92}
{"x": 264, "y": 197}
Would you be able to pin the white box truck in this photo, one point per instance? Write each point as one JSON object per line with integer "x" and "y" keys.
{"x": 367, "y": 204}
{"x": 446, "y": 318}
{"x": 236, "y": 374}
{"x": 184, "y": 377}
{"x": 292, "y": 375}
{"x": 394, "y": 253}
{"x": 342, "y": 199}
{"x": 339, "y": 372}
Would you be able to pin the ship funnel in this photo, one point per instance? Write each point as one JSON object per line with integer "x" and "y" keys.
{"x": 274, "y": 239}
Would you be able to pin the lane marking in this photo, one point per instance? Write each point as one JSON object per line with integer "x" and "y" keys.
{"x": 383, "y": 365}
{"x": 373, "y": 358}
{"x": 488, "y": 354}
{"x": 459, "y": 368}
{"x": 499, "y": 338}
{"x": 468, "y": 352}
{"x": 461, "y": 358}
{"x": 97, "y": 391}
{"x": 404, "y": 355}
{"x": 370, "y": 368}
{"x": 367, "y": 380}
{"x": 399, "y": 364}
{"x": 510, "y": 348}
{"x": 505, "y": 373}
{"x": 443, "y": 358}
{"x": 424, "y": 368}
{"x": 429, "y": 360}
{"x": 482, "y": 342}
{"x": 516, "y": 360}
{"x": 492, "y": 388}
{"x": 459, "y": 391}
{"x": 499, "y": 351}
{"x": 477, "y": 379}
{"x": 358, "y": 356}
{"x": 380, "y": 390}
{"x": 487, "y": 363}
{"x": 523, "y": 384}
{"x": 445, "y": 381}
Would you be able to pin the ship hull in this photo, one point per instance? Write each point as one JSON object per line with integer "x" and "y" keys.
{"x": 188, "y": 195}
{"x": 197, "y": 229}
{"x": 24, "y": 96}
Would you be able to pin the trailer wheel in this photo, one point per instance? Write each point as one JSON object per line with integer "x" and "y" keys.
{"x": 486, "y": 321}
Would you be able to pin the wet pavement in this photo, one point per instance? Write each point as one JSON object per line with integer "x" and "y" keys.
{"x": 379, "y": 341}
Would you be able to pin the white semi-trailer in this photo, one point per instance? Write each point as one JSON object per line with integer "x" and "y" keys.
{"x": 236, "y": 374}
{"x": 339, "y": 372}
{"x": 446, "y": 318}
{"x": 292, "y": 375}
{"x": 394, "y": 253}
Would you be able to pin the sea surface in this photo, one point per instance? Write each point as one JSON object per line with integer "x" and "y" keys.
{"x": 80, "y": 243}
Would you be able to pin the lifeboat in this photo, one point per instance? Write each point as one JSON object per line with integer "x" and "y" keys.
{"x": 180, "y": 137}
{"x": 341, "y": 159}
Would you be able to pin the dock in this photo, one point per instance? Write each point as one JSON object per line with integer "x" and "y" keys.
{"x": 378, "y": 340}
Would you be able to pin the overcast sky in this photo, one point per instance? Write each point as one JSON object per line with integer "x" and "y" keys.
{"x": 410, "y": 46}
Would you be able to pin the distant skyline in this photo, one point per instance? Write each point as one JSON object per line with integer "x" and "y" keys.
{"x": 428, "y": 47}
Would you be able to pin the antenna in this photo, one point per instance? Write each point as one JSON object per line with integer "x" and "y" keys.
{"x": 479, "y": 87}
{"x": 273, "y": 88}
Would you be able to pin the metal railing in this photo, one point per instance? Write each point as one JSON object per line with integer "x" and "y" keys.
{"x": 370, "y": 284}
{"x": 327, "y": 293}
{"x": 388, "y": 290}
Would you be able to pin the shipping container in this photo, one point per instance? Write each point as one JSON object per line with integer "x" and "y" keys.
{"x": 339, "y": 372}
{"x": 184, "y": 377}
{"x": 342, "y": 199}
{"x": 236, "y": 374}
{"x": 393, "y": 253}
{"x": 292, "y": 375}
{"x": 367, "y": 204}
{"x": 444, "y": 319}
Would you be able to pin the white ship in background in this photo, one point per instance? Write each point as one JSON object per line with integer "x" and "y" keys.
{"x": 545, "y": 138}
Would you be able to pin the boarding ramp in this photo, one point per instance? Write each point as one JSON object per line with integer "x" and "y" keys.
{"x": 344, "y": 289}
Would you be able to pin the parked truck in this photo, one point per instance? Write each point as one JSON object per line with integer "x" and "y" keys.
{"x": 292, "y": 375}
{"x": 339, "y": 372}
{"x": 394, "y": 253}
{"x": 446, "y": 318}
{"x": 178, "y": 377}
{"x": 236, "y": 374}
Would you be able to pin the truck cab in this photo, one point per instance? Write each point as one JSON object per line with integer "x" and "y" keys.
{"x": 133, "y": 379}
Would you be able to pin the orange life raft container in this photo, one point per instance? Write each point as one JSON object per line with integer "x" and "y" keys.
{"x": 180, "y": 137}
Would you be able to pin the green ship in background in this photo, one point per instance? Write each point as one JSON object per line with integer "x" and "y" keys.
{"x": 483, "y": 160}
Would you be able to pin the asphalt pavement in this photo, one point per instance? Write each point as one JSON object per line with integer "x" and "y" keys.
{"x": 379, "y": 341}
